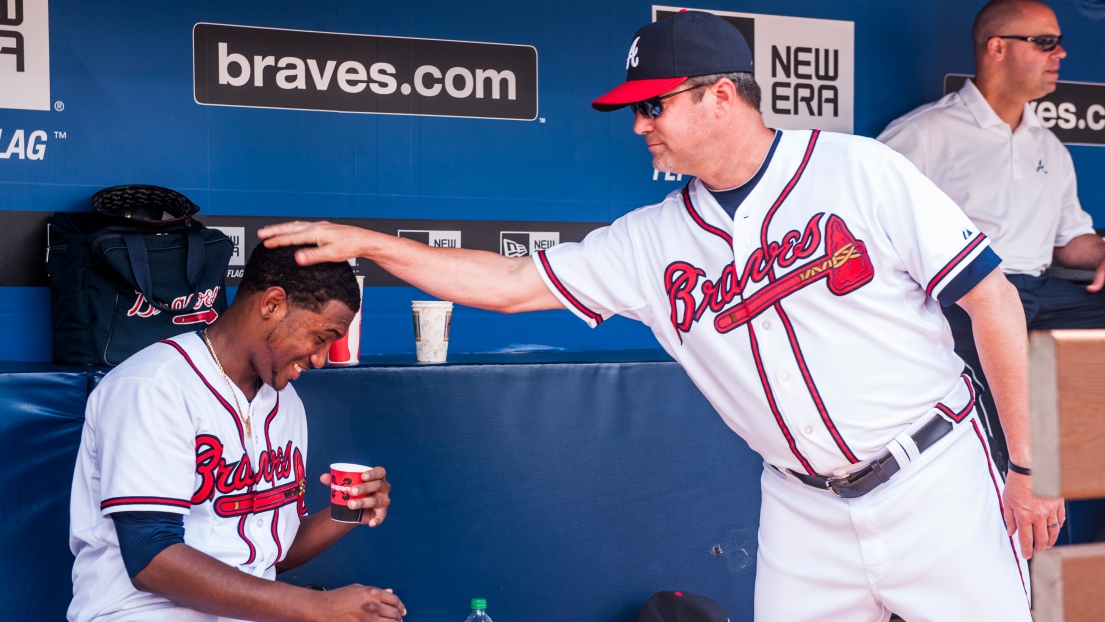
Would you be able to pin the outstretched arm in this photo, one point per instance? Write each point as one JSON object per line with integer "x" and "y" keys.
{"x": 1001, "y": 337}
{"x": 472, "y": 278}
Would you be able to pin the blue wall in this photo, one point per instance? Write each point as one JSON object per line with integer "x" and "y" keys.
{"x": 123, "y": 71}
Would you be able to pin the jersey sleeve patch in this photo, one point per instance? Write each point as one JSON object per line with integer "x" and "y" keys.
{"x": 972, "y": 274}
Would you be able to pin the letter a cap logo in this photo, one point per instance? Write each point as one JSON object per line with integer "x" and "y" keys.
{"x": 632, "y": 60}
{"x": 665, "y": 53}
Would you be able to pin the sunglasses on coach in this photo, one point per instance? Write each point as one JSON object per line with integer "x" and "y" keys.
{"x": 1046, "y": 43}
{"x": 653, "y": 106}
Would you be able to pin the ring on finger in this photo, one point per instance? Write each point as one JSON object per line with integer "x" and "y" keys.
{"x": 1053, "y": 526}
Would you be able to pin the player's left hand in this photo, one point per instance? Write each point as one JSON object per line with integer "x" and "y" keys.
{"x": 374, "y": 483}
{"x": 1036, "y": 520}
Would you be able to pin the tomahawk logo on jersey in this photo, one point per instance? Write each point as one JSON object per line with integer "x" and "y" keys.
{"x": 776, "y": 313}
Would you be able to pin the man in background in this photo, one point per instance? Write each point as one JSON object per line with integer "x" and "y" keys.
{"x": 985, "y": 147}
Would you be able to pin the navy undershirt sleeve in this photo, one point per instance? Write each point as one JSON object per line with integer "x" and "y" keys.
{"x": 731, "y": 199}
{"x": 970, "y": 276}
{"x": 142, "y": 535}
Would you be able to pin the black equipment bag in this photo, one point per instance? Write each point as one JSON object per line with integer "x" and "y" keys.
{"x": 136, "y": 270}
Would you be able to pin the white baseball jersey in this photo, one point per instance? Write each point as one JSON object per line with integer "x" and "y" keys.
{"x": 810, "y": 319}
{"x": 1019, "y": 187}
{"x": 162, "y": 434}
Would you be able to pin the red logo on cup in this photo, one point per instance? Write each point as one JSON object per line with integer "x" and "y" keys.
{"x": 343, "y": 478}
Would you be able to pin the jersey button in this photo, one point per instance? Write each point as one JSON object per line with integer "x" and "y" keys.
{"x": 807, "y": 430}
{"x": 784, "y": 376}
{"x": 260, "y": 522}
{"x": 746, "y": 243}
{"x": 766, "y": 325}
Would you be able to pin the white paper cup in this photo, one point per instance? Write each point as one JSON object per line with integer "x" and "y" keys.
{"x": 431, "y": 329}
{"x": 347, "y": 350}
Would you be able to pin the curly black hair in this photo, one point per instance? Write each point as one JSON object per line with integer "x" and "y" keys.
{"x": 308, "y": 287}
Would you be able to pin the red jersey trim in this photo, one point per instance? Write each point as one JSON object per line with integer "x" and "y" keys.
{"x": 771, "y": 403}
{"x": 169, "y": 501}
{"x": 700, "y": 221}
{"x": 276, "y": 510}
{"x": 785, "y": 193}
{"x": 963, "y": 254}
{"x": 807, "y": 377}
{"x": 811, "y": 386}
{"x": 1001, "y": 507}
{"x": 961, "y": 415}
{"x": 564, "y": 290}
{"x": 218, "y": 396}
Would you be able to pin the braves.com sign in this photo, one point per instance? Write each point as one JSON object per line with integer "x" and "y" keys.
{"x": 305, "y": 70}
{"x": 805, "y": 67}
{"x": 24, "y": 54}
{"x": 1075, "y": 111}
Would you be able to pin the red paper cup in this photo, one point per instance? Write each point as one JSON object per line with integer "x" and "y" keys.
{"x": 347, "y": 350}
{"x": 343, "y": 477}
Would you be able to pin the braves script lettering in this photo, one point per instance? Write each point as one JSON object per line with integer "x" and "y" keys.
{"x": 218, "y": 475}
{"x": 845, "y": 264}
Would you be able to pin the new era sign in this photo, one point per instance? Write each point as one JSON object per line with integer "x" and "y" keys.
{"x": 522, "y": 243}
{"x": 438, "y": 239}
{"x": 804, "y": 66}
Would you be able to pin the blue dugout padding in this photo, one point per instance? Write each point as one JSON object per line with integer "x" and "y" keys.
{"x": 558, "y": 486}
{"x": 568, "y": 490}
{"x": 41, "y": 416}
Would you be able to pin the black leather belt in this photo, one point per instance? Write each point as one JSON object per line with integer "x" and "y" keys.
{"x": 879, "y": 470}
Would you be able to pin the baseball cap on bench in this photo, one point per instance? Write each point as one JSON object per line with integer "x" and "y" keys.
{"x": 681, "y": 607}
{"x": 665, "y": 53}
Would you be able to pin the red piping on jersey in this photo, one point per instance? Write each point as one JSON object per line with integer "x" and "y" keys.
{"x": 807, "y": 377}
{"x": 218, "y": 396}
{"x": 953, "y": 263}
{"x": 241, "y": 437}
{"x": 702, "y": 222}
{"x": 1001, "y": 506}
{"x": 564, "y": 290}
{"x": 276, "y": 510}
{"x": 242, "y": 533}
{"x": 812, "y": 387}
{"x": 117, "y": 501}
{"x": 959, "y": 416}
{"x": 786, "y": 192}
{"x": 771, "y": 403}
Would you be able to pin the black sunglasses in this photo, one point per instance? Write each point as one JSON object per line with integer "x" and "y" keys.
{"x": 1046, "y": 43}
{"x": 652, "y": 107}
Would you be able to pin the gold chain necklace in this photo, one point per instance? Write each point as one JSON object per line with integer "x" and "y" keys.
{"x": 233, "y": 393}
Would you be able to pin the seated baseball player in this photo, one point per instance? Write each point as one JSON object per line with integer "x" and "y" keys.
{"x": 985, "y": 147}
{"x": 188, "y": 493}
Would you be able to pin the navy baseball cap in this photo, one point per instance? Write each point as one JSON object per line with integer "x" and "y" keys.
{"x": 665, "y": 53}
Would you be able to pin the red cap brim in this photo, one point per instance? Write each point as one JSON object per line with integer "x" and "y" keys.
{"x": 634, "y": 91}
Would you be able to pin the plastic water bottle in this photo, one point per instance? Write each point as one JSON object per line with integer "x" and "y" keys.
{"x": 479, "y": 613}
